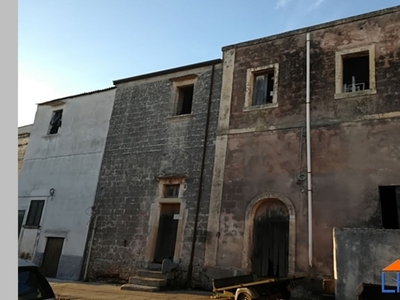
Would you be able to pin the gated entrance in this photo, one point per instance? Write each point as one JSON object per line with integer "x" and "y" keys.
{"x": 51, "y": 256}
{"x": 167, "y": 229}
{"x": 271, "y": 240}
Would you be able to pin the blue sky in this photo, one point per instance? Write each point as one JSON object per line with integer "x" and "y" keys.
{"x": 71, "y": 47}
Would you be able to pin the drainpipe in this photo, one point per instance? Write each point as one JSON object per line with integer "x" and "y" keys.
{"x": 190, "y": 267}
{"x": 309, "y": 187}
{"x": 90, "y": 249}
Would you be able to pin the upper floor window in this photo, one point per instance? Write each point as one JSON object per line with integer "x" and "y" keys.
{"x": 35, "y": 213}
{"x": 390, "y": 206}
{"x": 185, "y": 100}
{"x": 183, "y": 94}
{"x": 262, "y": 87}
{"x": 55, "y": 122}
{"x": 355, "y": 72}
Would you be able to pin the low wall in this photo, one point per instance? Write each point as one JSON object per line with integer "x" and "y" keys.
{"x": 359, "y": 257}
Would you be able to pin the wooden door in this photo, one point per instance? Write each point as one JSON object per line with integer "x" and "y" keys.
{"x": 51, "y": 256}
{"x": 271, "y": 241}
{"x": 166, "y": 236}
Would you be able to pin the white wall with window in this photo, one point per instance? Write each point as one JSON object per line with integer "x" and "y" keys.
{"x": 58, "y": 180}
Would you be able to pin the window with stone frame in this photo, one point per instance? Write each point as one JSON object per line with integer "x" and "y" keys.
{"x": 183, "y": 95}
{"x": 262, "y": 87}
{"x": 355, "y": 72}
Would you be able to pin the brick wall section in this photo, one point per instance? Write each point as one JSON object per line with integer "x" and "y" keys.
{"x": 144, "y": 142}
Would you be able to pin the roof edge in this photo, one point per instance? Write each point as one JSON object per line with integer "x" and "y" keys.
{"x": 77, "y": 95}
{"x": 168, "y": 71}
{"x": 316, "y": 27}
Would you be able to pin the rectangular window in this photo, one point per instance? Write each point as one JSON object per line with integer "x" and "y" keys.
{"x": 355, "y": 72}
{"x": 390, "y": 206}
{"x": 55, "y": 122}
{"x": 185, "y": 100}
{"x": 263, "y": 88}
{"x": 21, "y": 214}
{"x": 35, "y": 213}
{"x": 171, "y": 190}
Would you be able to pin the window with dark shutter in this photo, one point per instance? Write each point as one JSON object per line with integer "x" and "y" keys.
{"x": 35, "y": 213}
{"x": 55, "y": 122}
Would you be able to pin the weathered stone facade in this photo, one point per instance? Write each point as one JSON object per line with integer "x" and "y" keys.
{"x": 148, "y": 145}
{"x": 23, "y": 139}
{"x": 261, "y": 151}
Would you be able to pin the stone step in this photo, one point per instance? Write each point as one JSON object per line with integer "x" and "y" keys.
{"x": 137, "y": 287}
{"x": 154, "y": 274}
{"x": 155, "y": 282}
{"x": 154, "y": 267}
{"x": 328, "y": 297}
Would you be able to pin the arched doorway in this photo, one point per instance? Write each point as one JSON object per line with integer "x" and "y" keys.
{"x": 270, "y": 243}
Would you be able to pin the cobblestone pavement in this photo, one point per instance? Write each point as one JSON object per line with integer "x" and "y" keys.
{"x": 66, "y": 290}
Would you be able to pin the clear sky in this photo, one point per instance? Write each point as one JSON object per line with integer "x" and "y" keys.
{"x": 72, "y": 47}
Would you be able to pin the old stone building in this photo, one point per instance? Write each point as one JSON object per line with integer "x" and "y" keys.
{"x": 58, "y": 180}
{"x": 23, "y": 138}
{"x": 153, "y": 194}
{"x": 296, "y": 158}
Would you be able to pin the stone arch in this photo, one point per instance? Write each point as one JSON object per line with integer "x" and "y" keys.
{"x": 251, "y": 210}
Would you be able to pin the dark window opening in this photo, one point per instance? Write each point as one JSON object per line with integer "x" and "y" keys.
{"x": 263, "y": 89}
{"x": 356, "y": 73}
{"x": 55, "y": 122}
{"x": 171, "y": 191}
{"x": 35, "y": 213}
{"x": 21, "y": 214}
{"x": 390, "y": 206}
{"x": 185, "y": 99}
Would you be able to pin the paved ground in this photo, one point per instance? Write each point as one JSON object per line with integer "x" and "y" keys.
{"x": 66, "y": 290}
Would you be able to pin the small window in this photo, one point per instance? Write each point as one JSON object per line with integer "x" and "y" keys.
{"x": 35, "y": 213}
{"x": 21, "y": 214}
{"x": 355, "y": 72}
{"x": 185, "y": 99}
{"x": 390, "y": 206}
{"x": 55, "y": 122}
{"x": 171, "y": 190}
{"x": 263, "y": 88}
